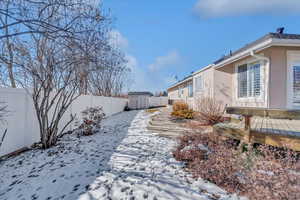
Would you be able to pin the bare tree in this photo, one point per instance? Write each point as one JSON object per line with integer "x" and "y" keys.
{"x": 54, "y": 84}
{"x": 111, "y": 75}
{"x": 32, "y": 17}
{"x": 57, "y": 50}
{"x": 19, "y": 19}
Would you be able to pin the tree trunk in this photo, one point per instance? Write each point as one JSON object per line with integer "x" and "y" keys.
{"x": 11, "y": 75}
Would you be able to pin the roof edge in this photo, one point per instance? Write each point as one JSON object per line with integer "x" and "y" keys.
{"x": 203, "y": 69}
{"x": 258, "y": 47}
{"x": 180, "y": 82}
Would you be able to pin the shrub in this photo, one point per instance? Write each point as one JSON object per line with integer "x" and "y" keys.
{"x": 260, "y": 173}
{"x": 92, "y": 118}
{"x": 181, "y": 110}
{"x": 180, "y": 105}
{"x": 209, "y": 110}
{"x": 184, "y": 114}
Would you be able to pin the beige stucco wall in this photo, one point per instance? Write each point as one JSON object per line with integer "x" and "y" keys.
{"x": 274, "y": 77}
{"x": 278, "y": 75}
{"x": 207, "y": 82}
{"x": 221, "y": 84}
{"x": 173, "y": 93}
{"x": 223, "y": 80}
{"x": 227, "y": 87}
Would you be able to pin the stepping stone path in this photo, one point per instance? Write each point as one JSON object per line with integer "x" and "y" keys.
{"x": 163, "y": 124}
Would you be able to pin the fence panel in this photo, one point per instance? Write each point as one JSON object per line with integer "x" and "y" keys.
{"x": 22, "y": 124}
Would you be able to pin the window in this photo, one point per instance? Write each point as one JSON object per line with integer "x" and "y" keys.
{"x": 180, "y": 92}
{"x": 296, "y": 85}
{"x": 190, "y": 88}
{"x": 198, "y": 83}
{"x": 242, "y": 81}
{"x": 249, "y": 80}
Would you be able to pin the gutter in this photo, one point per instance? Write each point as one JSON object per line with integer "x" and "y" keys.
{"x": 260, "y": 57}
{"x": 203, "y": 69}
{"x": 258, "y": 47}
{"x": 180, "y": 82}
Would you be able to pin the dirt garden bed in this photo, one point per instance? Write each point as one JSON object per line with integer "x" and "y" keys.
{"x": 262, "y": 172}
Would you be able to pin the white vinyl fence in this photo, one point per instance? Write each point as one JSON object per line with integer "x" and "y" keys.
{"x": 22, "y": 124}
{"x": 158, "y": 101}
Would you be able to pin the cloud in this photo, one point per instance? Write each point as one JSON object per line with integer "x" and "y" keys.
{"x": 172, "y": 58}
{"x": 220, "y": 8}
{"x": 118, "y": 40}
{"x": 145, "y": 78}
{"x": 132, "y": 62}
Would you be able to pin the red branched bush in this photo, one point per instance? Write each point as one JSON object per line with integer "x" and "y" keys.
{"x": 209, "y": 111}
{"x": 260, "y": 173}
{"x": 92, "y": 118}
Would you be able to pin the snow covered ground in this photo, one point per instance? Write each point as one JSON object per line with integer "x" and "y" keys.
{"x": 123, "y": 161}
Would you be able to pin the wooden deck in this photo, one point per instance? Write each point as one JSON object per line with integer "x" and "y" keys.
{"x": 276, "y": 132}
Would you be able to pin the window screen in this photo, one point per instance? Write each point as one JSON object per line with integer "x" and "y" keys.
{"x": 254, "y": 80}
{"x": 198, "y": 83}
{"x": 249, "y": 80}
{"x": 296, "y": 85}
{"x": 190, "y": 87}
{"x": 242, "y": 81}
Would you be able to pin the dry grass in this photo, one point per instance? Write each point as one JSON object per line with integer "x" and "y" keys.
{"x": 153, "y": 110}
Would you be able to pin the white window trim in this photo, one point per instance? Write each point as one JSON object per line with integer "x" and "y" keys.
{"x": 188, "y": 87}
{"x": 292, "y": 58}
{"x": 258, "y": 99}
{"x": 202, "y": 84}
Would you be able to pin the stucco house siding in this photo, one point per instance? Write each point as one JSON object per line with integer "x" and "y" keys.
{"x": 226, "y": 84}
{"x": 180, "y": 92}
{"x": 278, "y": 75}
{"x": 222, "y": 85}
{"x": 264, "y": 73}
{"x": 273, "y": 79}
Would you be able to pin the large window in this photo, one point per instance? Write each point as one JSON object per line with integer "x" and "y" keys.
{"x": 190, "y": 88}
{"x": 198, "y": 84}
{"x": 249, "y": 80}
{"x": 180, "y": 91}
{"x": 296, "y": 85}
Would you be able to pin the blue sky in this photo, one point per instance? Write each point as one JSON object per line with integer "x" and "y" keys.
{"x": 167, "y": 38}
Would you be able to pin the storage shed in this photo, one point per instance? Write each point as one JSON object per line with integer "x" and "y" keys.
{"x": 139, "y": 100}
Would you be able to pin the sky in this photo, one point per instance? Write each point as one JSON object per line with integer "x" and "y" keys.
{"x": 165, "y": 39}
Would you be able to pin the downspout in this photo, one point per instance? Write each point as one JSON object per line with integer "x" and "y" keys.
{"x": 260, "y": 57}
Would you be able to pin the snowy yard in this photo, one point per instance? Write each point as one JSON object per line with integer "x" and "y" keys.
{"x": 123, "y": 161}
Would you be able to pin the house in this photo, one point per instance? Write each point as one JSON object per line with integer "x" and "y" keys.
{"x": 203, "y": 81}
{"x": 182, "y": 90}
{"x": 264, "y": 73}
{"x": 198, "y": 84}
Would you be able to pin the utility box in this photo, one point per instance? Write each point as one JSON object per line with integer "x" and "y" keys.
{"x": 139, "y": 100}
